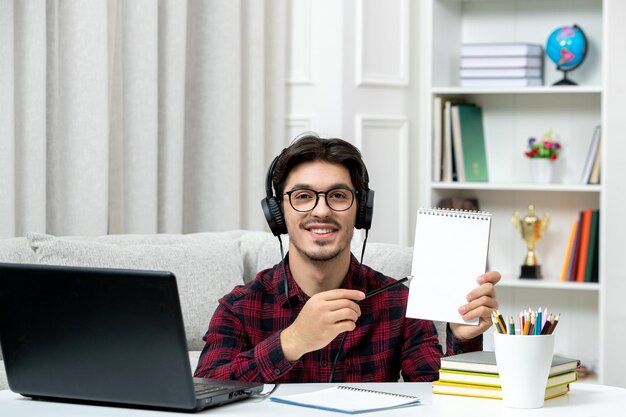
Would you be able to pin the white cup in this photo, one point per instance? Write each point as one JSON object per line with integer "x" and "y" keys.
{"x": 523, "y": 364}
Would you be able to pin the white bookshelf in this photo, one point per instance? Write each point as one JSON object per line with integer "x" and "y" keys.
{"x": 510, "y": 117}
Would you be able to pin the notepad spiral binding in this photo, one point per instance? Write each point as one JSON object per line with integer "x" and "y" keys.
{"x": 392, "y": 394}
{"x": 448, "y": 212}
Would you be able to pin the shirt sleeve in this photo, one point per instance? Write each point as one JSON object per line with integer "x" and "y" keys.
{"x": 227, "y": 353}
{"x": 454, "y": 346}
{"x": 421, "y": 353}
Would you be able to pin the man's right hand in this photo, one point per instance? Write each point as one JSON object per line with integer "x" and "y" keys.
{"x": 322, "y": 318}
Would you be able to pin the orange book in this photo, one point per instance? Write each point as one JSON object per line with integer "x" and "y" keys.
{"x": 584, "y": 245}
{"x": 572, "y": 235}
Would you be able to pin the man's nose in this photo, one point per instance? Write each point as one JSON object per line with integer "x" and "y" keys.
{"x": 321, "y": 208}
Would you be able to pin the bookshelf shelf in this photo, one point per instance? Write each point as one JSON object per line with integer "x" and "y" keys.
{"x": 510, "y": 117}
{"x": 548, "y": 90}
{"x": 559, "y": 188}
{"x": 512, "y": 282}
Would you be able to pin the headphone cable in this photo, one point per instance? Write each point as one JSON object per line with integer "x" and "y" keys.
{"x": 343, "y": 337}
{"x": 282, "y": 263}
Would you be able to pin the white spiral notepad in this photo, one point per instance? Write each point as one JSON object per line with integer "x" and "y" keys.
{"x": 449, "y": 254}
{"x": 347, "y": 399}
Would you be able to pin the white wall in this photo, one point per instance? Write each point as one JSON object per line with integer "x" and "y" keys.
{"x": 351, "y": 76}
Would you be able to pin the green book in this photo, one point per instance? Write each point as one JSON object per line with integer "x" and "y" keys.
{"x": 472, "y": 138}
{"x": 484, "y": 361}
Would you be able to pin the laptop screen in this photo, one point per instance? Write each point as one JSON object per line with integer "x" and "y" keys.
{"x": 95, "y": 334}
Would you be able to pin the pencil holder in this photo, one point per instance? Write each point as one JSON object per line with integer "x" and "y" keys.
{"x": 523, "y": 364}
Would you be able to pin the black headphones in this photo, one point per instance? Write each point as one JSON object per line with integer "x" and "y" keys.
{"x": 274, "y": 214}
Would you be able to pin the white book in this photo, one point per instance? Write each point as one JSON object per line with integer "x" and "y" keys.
{"x": 437, "y": 138}
{"x": 446, "y": 162}
{"x": 595, "y": 171}
{"x": 501, "y": 49}
{"x": 591, "y": 155}
{"x": 501, "y": 82}
{"x": 502, "y": 62}
{"x": 449, "y": 254}
{"x": 501, "y": 72}
{"x": 447, "y": 143}
{"x": 459, "y": 161}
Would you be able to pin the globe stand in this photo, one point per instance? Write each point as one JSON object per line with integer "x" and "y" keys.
{"x": 565, "y": 80}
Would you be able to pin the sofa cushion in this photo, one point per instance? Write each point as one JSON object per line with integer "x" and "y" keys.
{"x": 260, "y": 250}
{"x": 206, "y": 268}
{"x": 16, "y": 250}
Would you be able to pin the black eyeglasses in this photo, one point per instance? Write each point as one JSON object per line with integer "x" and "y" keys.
{"x": 304, "y": 199}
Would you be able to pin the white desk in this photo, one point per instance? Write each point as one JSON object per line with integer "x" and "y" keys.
{"x": 583, "y": 400}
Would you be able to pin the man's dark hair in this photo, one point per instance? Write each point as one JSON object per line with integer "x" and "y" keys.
{"x": 311, "y": 148}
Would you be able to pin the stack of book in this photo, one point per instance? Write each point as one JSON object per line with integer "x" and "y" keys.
{"x": 475, "y": 374}
{"x": 581, "y": 259}
{"x": 501, "y": 65}
{"x": 459, "y": 150}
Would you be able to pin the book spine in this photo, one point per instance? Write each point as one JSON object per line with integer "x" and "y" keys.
{"x": 584, "y": 244}
{"x": 501, "y": 72}
{"x": 568, "y": 254}
{"x": 592, "y": 259}
{"x": 437, "y": 139}
{"x": 501, "y": 49}
{"x": 457, "y": 144}
{"x": 571, "y": 268}
{"x": 591, "y": 156}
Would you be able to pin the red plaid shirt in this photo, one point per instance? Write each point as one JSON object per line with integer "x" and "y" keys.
{"x": 243, "y": 341}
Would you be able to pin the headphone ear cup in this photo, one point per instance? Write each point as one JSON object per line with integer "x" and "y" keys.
{"x": 274, "y": 215}
{"x": 366, "y": 210}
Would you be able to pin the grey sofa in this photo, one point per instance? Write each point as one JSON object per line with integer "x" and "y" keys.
{"x": 207, "y": 265}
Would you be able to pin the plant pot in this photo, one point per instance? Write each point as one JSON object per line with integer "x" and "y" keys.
{"x": 541, "y": 170}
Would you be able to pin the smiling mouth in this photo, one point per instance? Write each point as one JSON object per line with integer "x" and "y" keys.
{"x": 319, "y": 231}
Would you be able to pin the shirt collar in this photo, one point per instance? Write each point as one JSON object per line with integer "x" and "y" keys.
{"x": 352, "y": 281}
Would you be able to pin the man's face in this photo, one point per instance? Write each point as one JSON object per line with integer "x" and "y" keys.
{"x": 321, "y": 234}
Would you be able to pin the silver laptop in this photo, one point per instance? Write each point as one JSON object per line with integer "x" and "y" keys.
{"x": 101, "y": 335}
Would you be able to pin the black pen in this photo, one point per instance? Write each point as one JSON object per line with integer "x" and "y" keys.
{"x": 386, "y": 287}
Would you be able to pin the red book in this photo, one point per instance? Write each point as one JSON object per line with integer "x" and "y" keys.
{"x": 584, "y": 245}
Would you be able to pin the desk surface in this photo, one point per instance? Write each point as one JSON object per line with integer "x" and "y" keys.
{"x": 583, "y": 400}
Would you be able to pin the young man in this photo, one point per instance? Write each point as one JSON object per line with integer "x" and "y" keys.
{"x": 283, "y": 325}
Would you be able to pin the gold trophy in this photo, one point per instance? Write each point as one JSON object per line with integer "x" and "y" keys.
{"x": 531, "y": 228}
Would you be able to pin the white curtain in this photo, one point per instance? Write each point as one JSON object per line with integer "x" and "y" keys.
{"x": 138, "y": 116}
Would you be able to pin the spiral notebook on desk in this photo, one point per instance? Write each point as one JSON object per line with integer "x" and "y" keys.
{"x": 449, "y": 254}
{"x": 350, "y": 400}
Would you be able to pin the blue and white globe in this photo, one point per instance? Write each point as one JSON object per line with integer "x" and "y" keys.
{"x": 567, "y": 47}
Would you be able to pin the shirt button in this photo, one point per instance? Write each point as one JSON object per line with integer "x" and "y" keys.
{"x": 324, "y": 362}
{"x": 276, "y": 371}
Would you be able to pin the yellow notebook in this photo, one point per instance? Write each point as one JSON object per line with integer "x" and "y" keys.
{"x": 483, "y": 391}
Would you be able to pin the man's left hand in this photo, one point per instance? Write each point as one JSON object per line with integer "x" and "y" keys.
{"x": 480, "y": 303}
